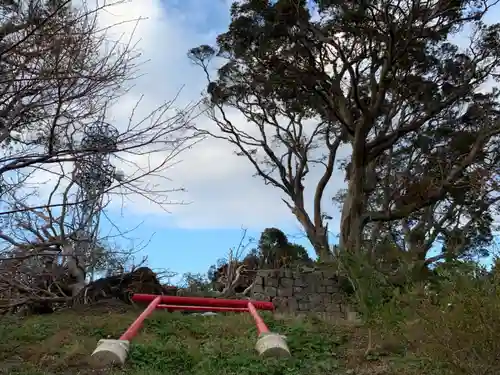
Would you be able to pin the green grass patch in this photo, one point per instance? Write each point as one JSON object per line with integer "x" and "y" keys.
{"x": 184, "y": 345}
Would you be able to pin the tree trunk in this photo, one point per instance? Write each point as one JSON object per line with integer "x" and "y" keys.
{"x": 319, "y": 239}
{"x": 75, "y": 270}
{"x": 317, "y": 235}
{"x": 351, "y": 222}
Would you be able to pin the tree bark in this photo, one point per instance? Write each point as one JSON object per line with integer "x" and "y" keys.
{"x": 351, "y": 223}
{"x": 352, "y": 218}
{"x": 75, "y": 270}
{"x": 316, "y": 234}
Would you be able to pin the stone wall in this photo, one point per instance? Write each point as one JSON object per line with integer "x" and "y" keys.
{"x": 301, "y": 291}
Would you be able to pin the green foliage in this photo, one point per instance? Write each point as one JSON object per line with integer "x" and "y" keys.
{"x": 452, "y": 318}
{"x": 195, "y": 283}
{"x": 299, "y": 252}
{"x": 462, "y": 329}
{"x": 207, "y": 346}
{"x": 275, "y": 250}
{"x": 370, "y": 287}
{"x": 411, "y": 334}
{"x": 495, "y": 269}
{"x": 170, "y": 343}
{"x": 409, "y": 102}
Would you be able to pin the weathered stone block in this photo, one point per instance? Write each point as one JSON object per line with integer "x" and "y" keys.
{"x": 288, "y": 273}
{"x": 309, "y": 288}
{"x": 332, "y": 307}
{"x": 286, "y": 282}
{"x": 265, "y": 273}
{"x": 327, "y": 298}
{"x": 259, "y": 280}
{"x": 272, "y": 281}
{"x": 280, "y": 303}
{"x": 258, "y": 288}
{"x": 260, "y": 297}
{"x": 270, "y": 291}
{"x": 299, "y": 282}
{"x": 297, "y": 290}
{"x": 293, "y": 304}
{"x": 312, "y": 279}
{"x": 331, "y": 289}
{"x": 285, "y": 292}
{"x": 304, "y": 306}
{"x": 329, "y": 274}
{"x": 306, "y": 296}
{"x": 301, "y": 297}
{"x": 326, "y": 282}
{"x": 316, "y": 300}
{"x": 318, "y": 309}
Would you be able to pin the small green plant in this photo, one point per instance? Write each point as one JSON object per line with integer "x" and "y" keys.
{"x": 370, "y": 289}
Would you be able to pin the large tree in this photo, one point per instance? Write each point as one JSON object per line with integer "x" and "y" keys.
{"x": 418, "y": 112}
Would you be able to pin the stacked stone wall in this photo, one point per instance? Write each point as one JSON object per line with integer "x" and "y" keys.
{"x": 301, "y": 291}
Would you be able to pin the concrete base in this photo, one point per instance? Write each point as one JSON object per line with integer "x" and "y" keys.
{"x": 272, "y": 345}
{"x": 110, "y": 352}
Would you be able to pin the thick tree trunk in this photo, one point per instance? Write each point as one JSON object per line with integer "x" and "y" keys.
{"x": 358, "y": 188}
{"x": 315, "y": 228}
{"x": 351, "y": 222}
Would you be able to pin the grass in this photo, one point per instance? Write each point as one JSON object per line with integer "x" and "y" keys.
{"x": 171, "y": 343}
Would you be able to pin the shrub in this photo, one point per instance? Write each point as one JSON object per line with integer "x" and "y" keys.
{"x": 453, "y": 327}
{"x": 462, "y": 330}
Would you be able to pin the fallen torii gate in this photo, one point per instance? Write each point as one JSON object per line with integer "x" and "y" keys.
{"x": 269, "y": 344}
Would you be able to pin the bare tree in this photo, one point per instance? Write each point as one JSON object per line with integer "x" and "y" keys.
{"x": 31, "y": 270}
{"x": 41, "y": 262}
{"x": 61, "y": 74}
{"x": 234, "y": 274}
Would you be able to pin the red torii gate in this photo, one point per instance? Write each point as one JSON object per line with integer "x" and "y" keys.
{"x": 111, "y": 351}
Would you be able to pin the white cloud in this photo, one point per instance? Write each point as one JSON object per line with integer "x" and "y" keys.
{"x": 219, "y": 184}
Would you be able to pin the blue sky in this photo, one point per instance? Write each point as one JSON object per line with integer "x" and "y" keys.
{"x": 223, "y": 194}
{"x": 189, "y": 250}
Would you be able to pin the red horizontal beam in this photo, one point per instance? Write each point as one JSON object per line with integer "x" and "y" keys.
{"x": 202, "y": 308}
{"x": 202, "y": 301}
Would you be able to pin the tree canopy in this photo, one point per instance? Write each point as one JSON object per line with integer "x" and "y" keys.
{"x": 273, "y": 250}
{"x": 417, "y": 110}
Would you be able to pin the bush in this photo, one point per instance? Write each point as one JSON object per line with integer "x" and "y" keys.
{"x": 462, "y": 331}
{"x": 453, "y": 326}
